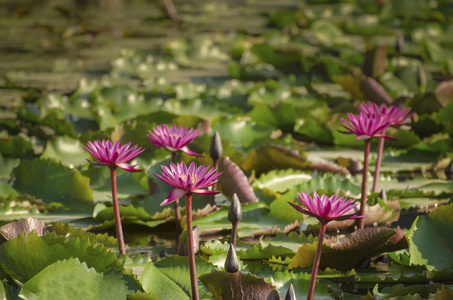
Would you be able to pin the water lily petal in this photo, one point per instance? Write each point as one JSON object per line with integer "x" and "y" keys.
{"x": 128, "y": 167}
{"x": 175, "y": 193}
{"x": 205, "y": 192}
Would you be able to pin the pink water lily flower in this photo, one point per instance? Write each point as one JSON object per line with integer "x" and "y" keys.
{"x": 174, "y": 138}
{"x": 366, "y": 127}
{"x": 394, "y": 115}
{"x": 188, "y": 180}
{"x": 326, "y": 209}
{"x": 115, "y": 155}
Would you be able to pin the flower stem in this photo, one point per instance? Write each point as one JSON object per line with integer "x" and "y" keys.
{"x": 377, "y": 171}
{"x": 363, "y": 200}
{"x": 177, "y": 209}
{"x": 234, "y": 233}
{"x": 214, "y": 186}
{"x": 116, "y": 212}
{"x": 314, "y": 272}
{"x": 190, "y": 248}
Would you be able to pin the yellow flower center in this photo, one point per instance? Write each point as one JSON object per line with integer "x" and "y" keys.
{"x": 184, "y": 177}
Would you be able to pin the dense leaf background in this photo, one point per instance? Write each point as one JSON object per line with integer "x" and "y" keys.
{"x": 273, "y": 78}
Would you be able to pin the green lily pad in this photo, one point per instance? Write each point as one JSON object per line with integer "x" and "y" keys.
{"x": 28, "y": 254}
{"x": 15, "y": 146}
{"x": 276, "y": 57}
{"x": 8, "y": 164}
{"x": 268, "y": 157}
{"x": 127, "y": 214}
{"x": 240, "y": 132}
{"x": 300, "y": 282}
{"x": 281, "y": 180}
{"x": 67, "y": 151}
{"x": 53, "y": 182}
{"x": 59, "y": 279}
{"x": 290, "y": 241}
{"x": 128, "y": 183}
{"x": 7, "y": 190}
{"x": 170, "y": 278}
{"x": 255, "y": 218}
{"x": 430, "y": 240}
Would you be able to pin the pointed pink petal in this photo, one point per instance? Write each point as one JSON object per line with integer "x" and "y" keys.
{"x": 205, "y": 192}
{"x": 185, "y": 149}
{"x": 175, "y": 193}
{"x": 128, "y": 167}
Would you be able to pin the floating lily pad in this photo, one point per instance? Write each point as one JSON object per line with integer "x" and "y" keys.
{"x": 430, "y": 240}
{"x": 53, "y": 183}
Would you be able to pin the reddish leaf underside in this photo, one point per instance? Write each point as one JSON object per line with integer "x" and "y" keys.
{"x": 233, "y": 180}
{"x": 347, "y": 252}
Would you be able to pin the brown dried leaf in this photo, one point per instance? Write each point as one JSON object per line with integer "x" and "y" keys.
{"x": 444, "y": 93}
{"x": 267, "y": 231}
{"x": 202, "y": 212}
{"x": 11, "y": 230}
{"x": 290, "y": 227}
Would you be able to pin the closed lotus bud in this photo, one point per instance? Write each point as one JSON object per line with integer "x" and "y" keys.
{"x": 232, "y": 261}
{"x": 290, "y": 295}
{"x": 235, "y": 212}
{"x": 216, "y": 150}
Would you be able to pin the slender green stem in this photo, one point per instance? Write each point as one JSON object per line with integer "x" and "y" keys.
{"x": 314, "y": 272}
{"x": 363, "y": 200}
{"x": 177, "y": 209}
{"x": 191, "y": 248}
{"x": 377, "y": 171}
{"x": 116, "y": 212}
